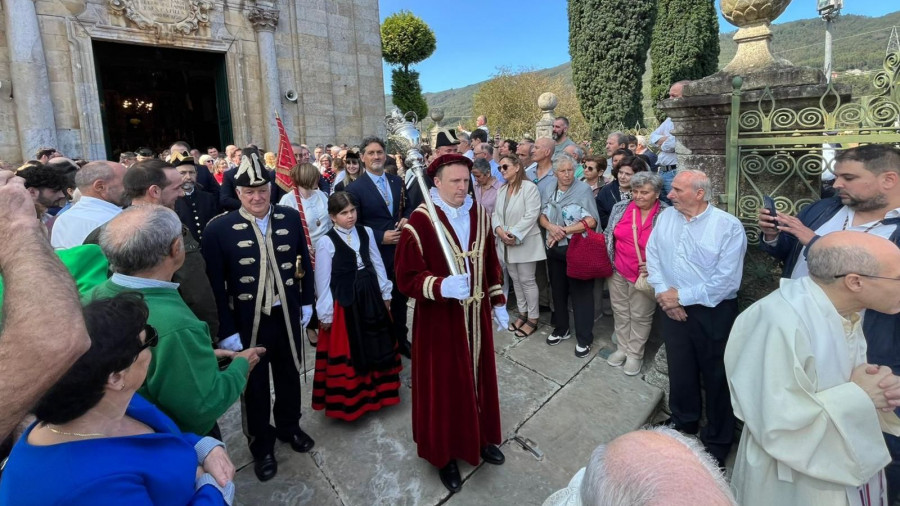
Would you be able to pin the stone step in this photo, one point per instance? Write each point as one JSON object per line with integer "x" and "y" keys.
{"x": 566, "y": 405}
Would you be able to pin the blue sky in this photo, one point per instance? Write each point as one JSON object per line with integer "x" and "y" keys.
{"x": 476, "y": 37}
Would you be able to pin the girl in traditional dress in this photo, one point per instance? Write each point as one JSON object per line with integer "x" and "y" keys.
{"x": 357, "y": 365}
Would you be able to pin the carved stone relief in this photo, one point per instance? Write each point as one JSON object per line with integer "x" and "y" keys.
{"x": 166, "y": 18}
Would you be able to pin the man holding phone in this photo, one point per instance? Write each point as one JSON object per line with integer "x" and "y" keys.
{"x": 867, "y": 182}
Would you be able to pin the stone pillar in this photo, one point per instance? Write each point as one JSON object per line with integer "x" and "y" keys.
{"x": 264, "y": 22}
{"x": 547, "y": 102}
{"x": 31, "y": 84}
{"x": 437, "y": 115}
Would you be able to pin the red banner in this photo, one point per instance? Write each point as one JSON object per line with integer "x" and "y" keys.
{"x": 285, "y": 159}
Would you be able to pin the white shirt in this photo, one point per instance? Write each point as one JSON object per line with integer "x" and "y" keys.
{"x": 324, "y": 254}
{"x": 836, "y": 223}
{"x": 315, "y": 210}
{"x": 666, "y": 154}
{"x": 77, "y": 223}
{"x": 459, "y": 221}
{"x": 470, "y": 154}
{"x": 139, "y": 283}
{"x": 702, "y": 257}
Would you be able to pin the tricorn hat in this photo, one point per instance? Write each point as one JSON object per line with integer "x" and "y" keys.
{"x": 447, "y": 159}
{"x": 446, "y": 137}
{"x": 251, "y": 171}
{"x": 352, "y": 153}
{"x": 178, "y": 158}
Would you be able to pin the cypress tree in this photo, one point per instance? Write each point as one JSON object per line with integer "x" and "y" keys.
{"x": 608, "y": 42}
{"x": 407, "y": 92}
{"x": 405, "y": 40}
{"x": 685, "y": 45}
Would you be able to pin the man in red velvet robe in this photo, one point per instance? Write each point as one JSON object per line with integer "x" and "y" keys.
{"x": 456, "y": 410}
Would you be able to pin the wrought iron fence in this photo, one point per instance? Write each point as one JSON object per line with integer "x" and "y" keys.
{"x": 786, "y": 153}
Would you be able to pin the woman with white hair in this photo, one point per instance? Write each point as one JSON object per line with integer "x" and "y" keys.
{"x": 630, "y": 224}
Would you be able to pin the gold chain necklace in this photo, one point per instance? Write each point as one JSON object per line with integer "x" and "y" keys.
{"x": 77, "y": 434}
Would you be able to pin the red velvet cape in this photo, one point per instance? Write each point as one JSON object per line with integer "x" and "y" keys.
{"x": 448, "y": 420}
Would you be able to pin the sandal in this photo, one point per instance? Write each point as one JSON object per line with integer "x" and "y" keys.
{"x": 516, "y": 325}
{"x": 521, "y": 332}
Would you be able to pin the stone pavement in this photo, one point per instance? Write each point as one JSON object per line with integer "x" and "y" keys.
{"x": 565, "y": 405}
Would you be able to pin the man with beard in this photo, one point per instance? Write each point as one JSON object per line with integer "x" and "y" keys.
{"x": 47, "y": 187}
{"x": 867, "y": 181}
{"x": 382, "y": 208}
{"x": 195, "y": 208}
{"x": 561, "y": 135}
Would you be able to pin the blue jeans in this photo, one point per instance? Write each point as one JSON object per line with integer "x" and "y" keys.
{"x": 667, "y": 178}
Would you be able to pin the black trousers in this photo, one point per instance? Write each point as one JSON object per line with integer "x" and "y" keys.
{"x": 695, "y": 349}
{"x": 255, "y": 402}
{"x": 398, "y": 312}
{"x": 581, "y": 292}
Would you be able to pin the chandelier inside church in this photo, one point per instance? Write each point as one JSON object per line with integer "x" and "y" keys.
{"x": 137, "y": 105}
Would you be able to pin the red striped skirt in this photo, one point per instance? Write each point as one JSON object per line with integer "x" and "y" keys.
{"x": 338, "y": 389}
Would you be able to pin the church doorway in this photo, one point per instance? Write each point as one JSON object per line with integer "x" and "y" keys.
{"x": 152, "y": 96}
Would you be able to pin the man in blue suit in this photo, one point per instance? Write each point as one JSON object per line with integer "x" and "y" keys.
{"x": 381, "y": 206}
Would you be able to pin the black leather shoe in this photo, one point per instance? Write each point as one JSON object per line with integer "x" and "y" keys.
{"x": 492, "y": 455}
{"x": 405, "y": 348}
{"x": 300, "y": 441}
{"x": 450, "y": 477}
{"x": 266, "y": 468}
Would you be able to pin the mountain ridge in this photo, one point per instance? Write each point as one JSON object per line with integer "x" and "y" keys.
{"x": 859, "y": 44}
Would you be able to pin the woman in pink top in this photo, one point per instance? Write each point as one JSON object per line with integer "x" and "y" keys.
{"x": 632, "y": 309}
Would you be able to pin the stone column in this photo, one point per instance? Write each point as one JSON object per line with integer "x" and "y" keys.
{"x": 437, "y": 115}
{"x": 264, "y": 22}
{"x": 31, "y": 84}
{"x": 544, "y": 128}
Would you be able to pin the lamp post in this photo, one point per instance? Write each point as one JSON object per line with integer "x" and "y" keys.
{"x": 829, "y": 10}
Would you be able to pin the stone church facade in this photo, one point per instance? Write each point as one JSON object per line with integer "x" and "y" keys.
{"x": 317, "y": 63}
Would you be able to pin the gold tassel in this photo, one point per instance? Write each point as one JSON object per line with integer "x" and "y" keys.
{"x": 299, "y": 273}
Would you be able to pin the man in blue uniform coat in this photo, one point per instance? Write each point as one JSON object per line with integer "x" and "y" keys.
{"x": 258, "y": 265}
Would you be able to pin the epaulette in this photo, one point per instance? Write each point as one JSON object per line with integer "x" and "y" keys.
{"x": 216, "y": 216}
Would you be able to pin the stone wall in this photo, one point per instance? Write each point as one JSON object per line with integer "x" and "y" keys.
{"x": 327, "y": 51}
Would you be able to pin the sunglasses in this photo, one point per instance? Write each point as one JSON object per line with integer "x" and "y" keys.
{"x": 152, "y": 338}
{"x": 506, "y": 166}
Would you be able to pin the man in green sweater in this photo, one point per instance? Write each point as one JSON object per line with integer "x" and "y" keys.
{"x": 144, "y": 247}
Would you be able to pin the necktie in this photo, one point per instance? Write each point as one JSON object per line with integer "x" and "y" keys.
{"x": 382, "y": 186}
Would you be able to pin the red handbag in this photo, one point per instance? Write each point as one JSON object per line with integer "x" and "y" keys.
{"x": 586, "y": 257}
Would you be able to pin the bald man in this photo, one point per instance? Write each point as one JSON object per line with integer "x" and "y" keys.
{"x": 813, "y": 409}
{"x": 541, "y": 172}
{"x": 656, "y": 466}
{"x": 102, "y": 197}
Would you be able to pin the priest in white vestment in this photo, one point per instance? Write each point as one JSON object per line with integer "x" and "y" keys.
{"x": 813, "y": 410}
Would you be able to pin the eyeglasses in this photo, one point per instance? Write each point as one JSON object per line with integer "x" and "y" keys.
{"x": 151, "y": 339}
{"x": 865, "y": 276}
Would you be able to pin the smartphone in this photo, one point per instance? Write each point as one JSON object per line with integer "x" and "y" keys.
{"x": 769, "y": 203}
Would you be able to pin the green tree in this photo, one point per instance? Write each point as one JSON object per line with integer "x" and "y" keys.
{"x": 509, "y": 99}
{"x": 407, "y": 93}
{"x": 685, "y": 45}
{"x": 405, "y": 40}
{"x": 608, "y": 42}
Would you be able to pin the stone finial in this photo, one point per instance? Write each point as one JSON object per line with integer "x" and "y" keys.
{"x": 437, "y": 115}
{"x": 754, "y": 38}
{"x": 263, "y": 19}
{"x": 547, "y": 102}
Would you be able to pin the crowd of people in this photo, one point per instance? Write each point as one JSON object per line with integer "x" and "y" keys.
{"x": 201, "y": 278}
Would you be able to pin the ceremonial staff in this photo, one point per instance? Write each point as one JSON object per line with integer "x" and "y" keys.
{"x": 402, "y": 133}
